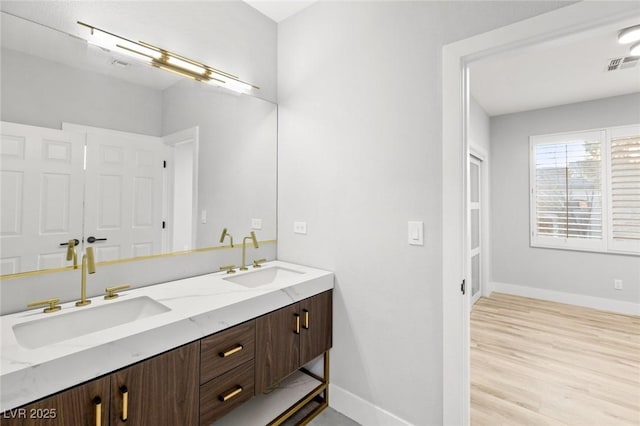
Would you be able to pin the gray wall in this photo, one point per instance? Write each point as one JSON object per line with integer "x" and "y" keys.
{"x": 513, "y": 261}
{"x": 360, "y": 124}
{"x": 43, "y": 93}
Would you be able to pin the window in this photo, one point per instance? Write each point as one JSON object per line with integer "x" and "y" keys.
{"x": 585, "y": 190}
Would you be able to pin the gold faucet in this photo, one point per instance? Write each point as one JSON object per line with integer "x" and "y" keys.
{"x": 225, "y": 233}
{"x": 72, "y": 253}
{"x": 252, "y": 237}
{"x": 88, "y": 266}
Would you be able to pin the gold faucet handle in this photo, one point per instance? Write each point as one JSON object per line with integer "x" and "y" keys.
{"x": 112, "y": 291}
{"x": 229, "y": 268}
{"x": 257, "y": 262}
{"x": 53, "y": 307}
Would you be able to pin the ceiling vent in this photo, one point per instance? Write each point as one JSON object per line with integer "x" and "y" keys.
{"x": 623, "y": 63}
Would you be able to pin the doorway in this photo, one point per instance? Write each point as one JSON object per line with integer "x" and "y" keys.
{"x": 455, "y": 257}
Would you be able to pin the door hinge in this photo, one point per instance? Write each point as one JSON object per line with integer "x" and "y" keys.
{"x": 463, "y": 286}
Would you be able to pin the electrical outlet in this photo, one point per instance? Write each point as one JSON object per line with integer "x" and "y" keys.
{"x": 256, "y": 223}
{"x": 300, "y": 227}
{"x": 617, "y": 284}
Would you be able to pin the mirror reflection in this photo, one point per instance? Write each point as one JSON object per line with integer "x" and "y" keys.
{"x": 123, "y": 157}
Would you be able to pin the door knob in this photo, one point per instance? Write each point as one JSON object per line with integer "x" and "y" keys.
{"x": 66, "y": 243}
{"x": 93, "y": 239}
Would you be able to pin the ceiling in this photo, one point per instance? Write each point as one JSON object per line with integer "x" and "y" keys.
{"x": 279, "y": 10}
{"x": 557, "y": 72}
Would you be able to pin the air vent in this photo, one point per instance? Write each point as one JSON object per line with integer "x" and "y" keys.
{"x": 623, "y": 63}
{"x": 119, "y": 63}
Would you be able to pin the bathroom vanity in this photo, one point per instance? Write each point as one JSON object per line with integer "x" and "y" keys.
{"x": 219, "y": 340}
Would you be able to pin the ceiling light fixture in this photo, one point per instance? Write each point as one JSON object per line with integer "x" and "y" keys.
{"x": 166, "y": 60}
{"x": 629, "y": 35}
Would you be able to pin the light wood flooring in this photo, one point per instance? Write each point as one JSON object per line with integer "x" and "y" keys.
{"x": 542, "y": 363}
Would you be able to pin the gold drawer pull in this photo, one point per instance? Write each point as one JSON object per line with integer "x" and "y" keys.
{"x": 231, "y": 351}
{"x": 228, "y": 396}
{"x": 98, "y": 403}
{"x": 125, "y": 403}
{"x": 306, "y": 318}
{"x": 297, "y": 329}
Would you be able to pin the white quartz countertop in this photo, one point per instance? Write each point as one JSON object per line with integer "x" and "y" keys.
{"x": 198, "y": 306}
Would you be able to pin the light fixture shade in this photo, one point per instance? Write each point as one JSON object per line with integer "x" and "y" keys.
{"x": 629, "y": 35}
{"x": 635, "y": 49}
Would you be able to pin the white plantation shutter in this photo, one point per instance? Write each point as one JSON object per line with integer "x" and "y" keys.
{"x": 585, "y": 190}
{"x": 568, "y": 192}
{"x": 625, "y": 191}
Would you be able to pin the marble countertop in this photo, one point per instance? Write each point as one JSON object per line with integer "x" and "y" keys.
{"x": 199, "y": 306}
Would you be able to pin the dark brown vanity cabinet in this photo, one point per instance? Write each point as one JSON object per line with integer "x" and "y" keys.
{"x": 290, "y": 337}
{"x": 159, "y": 391}
{"x": 226, "y": 371}
{"x": 86, "y": 404}
{"x": 197, "y": 383}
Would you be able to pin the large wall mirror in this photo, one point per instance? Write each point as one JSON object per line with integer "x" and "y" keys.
{"x": 123, "y": 157}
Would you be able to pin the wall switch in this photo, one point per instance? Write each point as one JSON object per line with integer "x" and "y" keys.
{"x": 416, "y": 233}
{"x": 617, "y": 284}
{"x": 203, "y": 216}
{"x": 256, "y": 223}
{"x": 300, "y": 227}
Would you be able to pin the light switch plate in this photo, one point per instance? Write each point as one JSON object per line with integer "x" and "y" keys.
{"x": 300, "y": 227}
{"x": 415, "y": 232}
{"x": 256, "y": 223}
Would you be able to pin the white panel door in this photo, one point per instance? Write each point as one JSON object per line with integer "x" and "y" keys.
{"x": 42, "y": 190}
{"x": 123, "y": 195}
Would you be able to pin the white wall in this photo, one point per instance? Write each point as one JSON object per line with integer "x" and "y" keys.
{"x": 360, "y": 155}
{"x": 479, "y": 128}
{"x": 43, "y": 93}
{"x": 514, "y": 261}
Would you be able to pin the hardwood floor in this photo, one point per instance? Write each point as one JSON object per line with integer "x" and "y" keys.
{"x": 542, "y": 363}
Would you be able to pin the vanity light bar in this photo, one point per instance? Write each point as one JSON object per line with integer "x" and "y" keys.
{"x": 166, "y": 60}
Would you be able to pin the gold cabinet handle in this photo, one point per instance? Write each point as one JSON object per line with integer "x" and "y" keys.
{"x": 51, "y": 302}
{"x": 231, "y": 351}
{"x": 231, "y": 394}
{"x": 306, "y": 319}
{"x": 125, "y": 403}
{"x": 112, "y": 292}
{"x": 297, "y": 329}
{"x": 97, "y": 401}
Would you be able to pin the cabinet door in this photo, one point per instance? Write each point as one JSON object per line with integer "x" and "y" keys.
{"x": 160, "y": 391}
{"x": 277, "y": 346}
{"x": 315, "y": 336}
{"x": 86, "y": 404}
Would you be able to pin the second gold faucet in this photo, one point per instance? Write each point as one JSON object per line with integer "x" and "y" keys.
{"x": 251, "y": 237}
{"x": 88, "y": 266}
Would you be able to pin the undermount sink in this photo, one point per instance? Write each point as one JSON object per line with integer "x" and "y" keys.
{"x": 64, "y": 326}
{"x": 260, "y": 277}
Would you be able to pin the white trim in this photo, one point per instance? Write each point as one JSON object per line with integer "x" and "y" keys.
{"x": 564, "y": 21}
{"x": 360, "y": 410}
{"x": 617, "y": 306}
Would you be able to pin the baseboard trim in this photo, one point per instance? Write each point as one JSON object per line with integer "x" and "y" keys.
{"x": 360, "y": 410}
{"x": 617, "y": 306}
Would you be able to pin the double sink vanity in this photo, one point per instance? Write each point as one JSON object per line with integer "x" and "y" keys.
{"x": 184, "y": 352}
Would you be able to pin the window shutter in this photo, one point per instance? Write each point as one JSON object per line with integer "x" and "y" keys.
{"x": 568, "y": 196}
{"x": 625, "y": 188}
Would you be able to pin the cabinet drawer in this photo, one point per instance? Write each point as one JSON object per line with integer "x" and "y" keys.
{"x": 226, "y": 350}
{"x": 222, "y": 394}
